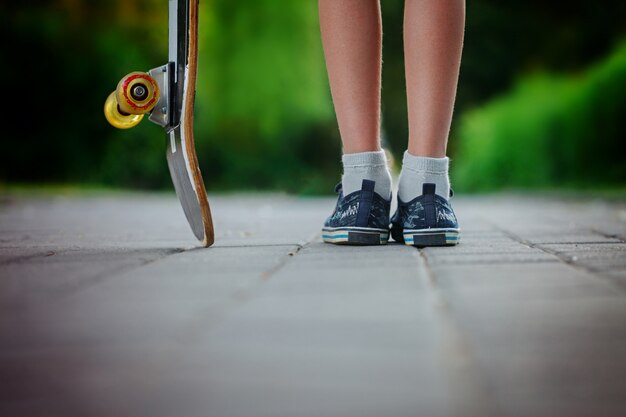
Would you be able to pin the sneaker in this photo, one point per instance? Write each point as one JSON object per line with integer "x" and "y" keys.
{"x": 427, "y": 220}
{"x": 360, "y": 218}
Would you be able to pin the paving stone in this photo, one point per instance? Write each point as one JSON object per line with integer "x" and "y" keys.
{"x": 559, "y": 356}
{"x": 498, "y": 257}
{"x": 567, "y": 237}
{"x": 108, "y": 308}
{"x": 165, "y": 299}
{"x": 501, "y": 282}
{"x": 599, "y": 257}
{"x": 31, "y": 276}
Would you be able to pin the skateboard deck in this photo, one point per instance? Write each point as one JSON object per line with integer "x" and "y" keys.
{"x": 169, "y": 94}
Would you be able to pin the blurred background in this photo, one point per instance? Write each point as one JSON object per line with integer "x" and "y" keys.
{"x": 541, "y": 101}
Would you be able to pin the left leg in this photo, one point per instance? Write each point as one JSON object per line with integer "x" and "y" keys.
{"x": 352, "y": 39}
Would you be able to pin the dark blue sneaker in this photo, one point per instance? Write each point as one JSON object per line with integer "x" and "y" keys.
{"x": 360, "y": 218}
{"x": 427, "y": 220}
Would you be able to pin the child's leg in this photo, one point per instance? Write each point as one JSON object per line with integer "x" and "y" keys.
{"x": 351, "y": 35}
{"x": 433, "y": 39}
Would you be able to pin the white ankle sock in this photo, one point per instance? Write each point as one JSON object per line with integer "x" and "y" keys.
{"x": 366, "y": 166}
{"x": 417, "y": 170}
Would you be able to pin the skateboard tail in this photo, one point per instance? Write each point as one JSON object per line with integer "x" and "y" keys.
{"x": 181, "y": 152}
{"x": 193, "y": 201}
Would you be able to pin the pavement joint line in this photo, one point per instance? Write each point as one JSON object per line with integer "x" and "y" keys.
{"x": 566, "y": 259}
{"x": 531, "y": 245}
{"x": 264, "y": 245}
{"x": 463, "y": 371}
{"x": 609, "y": 235}
{"x": 268, "y": 274}
{"x": 208, "y": 318}
{"x": 604, "y": 242}
{"x": 596, "y": 231}
{"x": 67, "y": 290}
{"x": 49, "y": 251}
{"x": 503, "y": 262}
{"x": 25, "y": 258}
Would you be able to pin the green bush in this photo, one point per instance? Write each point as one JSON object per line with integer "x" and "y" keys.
{"x": 550, "y": 130}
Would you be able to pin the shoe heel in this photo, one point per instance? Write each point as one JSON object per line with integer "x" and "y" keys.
{"x": 431, "y": 238}
{"x": 360, "y": 238}
{"x": 355, "y": 237}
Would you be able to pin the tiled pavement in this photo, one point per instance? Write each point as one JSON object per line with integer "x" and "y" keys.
{"x": 108, "y": 309}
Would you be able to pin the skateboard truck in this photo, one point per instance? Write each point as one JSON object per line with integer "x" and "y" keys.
{"x": 139, "y": 93}
{"x": 160, "y": 114}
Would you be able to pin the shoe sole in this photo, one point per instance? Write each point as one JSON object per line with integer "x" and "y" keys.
{"x": 431, "y": 237}
{"x": 362, "y": 236}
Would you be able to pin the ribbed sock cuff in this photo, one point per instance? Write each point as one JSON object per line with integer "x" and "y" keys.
{"x": 425, "y": 164}
{"x": 368, "y": 159}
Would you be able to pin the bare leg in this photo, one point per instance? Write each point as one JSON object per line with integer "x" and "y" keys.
{"x": 351, "y": 35}
{"x": 433, "y": 40}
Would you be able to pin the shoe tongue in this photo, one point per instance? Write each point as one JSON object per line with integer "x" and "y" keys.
{"x": 428, "y": 188}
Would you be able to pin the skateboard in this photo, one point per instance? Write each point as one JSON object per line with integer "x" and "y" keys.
{"x": 167, "y": 95}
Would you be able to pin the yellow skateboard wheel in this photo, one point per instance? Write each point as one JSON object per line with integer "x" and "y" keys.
{"x": 137, "y": 93}
{"x": 117, "y": 118}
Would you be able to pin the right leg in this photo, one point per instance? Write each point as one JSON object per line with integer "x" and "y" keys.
{"x": 433, "y": 40}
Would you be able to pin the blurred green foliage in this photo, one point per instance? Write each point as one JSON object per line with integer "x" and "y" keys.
{"x": 551, "y": 130}
{"x": 505, "y": 41}
{"x": 264, "y": 109}
{"x": 264, "y": 116}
